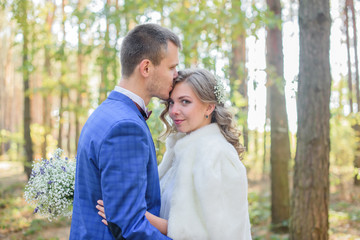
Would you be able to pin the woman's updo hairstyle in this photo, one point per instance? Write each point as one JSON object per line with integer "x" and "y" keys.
{"x": 208, "y": 90}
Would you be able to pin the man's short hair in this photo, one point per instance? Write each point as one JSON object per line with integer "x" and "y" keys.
{"x": 146, "y": 41}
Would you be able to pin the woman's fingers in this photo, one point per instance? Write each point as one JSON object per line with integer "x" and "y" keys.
{"x": 102, "y": 214}
{"x": 100, "y": 202}
{"x": 101, "y": 211}
{"x": 100, "y": 208}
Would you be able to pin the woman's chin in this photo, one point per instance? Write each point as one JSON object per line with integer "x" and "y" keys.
{"x": 180, "y": 130}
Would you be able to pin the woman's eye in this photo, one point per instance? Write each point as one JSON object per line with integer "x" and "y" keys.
{"x": 185, "y": 102}
{"x": 170, "y": 102}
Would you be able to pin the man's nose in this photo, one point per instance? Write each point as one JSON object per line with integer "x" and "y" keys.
{"x": 175, "y": 74}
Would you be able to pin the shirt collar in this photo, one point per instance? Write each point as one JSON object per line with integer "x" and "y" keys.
{"x": 133, "y": 97}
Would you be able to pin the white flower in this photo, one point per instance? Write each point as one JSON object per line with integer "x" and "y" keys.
{"x": 219, "y": 91}
{"x": 51, "y": 186}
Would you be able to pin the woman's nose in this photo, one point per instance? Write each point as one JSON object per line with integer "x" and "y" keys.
{"x": 173, "y": 109}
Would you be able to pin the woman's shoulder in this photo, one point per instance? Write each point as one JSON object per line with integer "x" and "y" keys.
{"x": 214, "y": 142}
{"x": 213, "y": 150}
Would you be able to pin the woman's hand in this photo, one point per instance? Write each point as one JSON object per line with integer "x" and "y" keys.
{"x": 159, "y": 223}
{"x": 101, "y": 211}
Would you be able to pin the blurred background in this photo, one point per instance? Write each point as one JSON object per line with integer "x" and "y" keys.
{"x": 60, "y": 58}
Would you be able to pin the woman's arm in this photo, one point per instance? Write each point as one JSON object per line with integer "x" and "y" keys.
{"x": 159, "y": 223}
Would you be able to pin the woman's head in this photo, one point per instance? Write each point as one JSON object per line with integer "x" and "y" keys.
{"x": 186, "y": 109}
{"x": 201, "y": 81}
{"x": 197, "y": 100}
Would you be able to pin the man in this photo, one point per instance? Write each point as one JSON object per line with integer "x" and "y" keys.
{"x": 116, "y": 158}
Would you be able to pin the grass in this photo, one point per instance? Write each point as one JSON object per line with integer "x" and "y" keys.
{"x": 344, "y": 208}
{"x": 17, "y": 220}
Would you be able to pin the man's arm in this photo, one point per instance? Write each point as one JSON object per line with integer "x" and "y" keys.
{"x": 123, "y": 160}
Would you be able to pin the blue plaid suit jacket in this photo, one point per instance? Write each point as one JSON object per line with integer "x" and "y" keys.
{"x": 116, "y": 162}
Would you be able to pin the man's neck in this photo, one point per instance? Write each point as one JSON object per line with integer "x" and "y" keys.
{"x": 135, "y": 87}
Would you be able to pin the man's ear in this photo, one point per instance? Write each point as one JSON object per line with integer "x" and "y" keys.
{"x": 145, "y": 68}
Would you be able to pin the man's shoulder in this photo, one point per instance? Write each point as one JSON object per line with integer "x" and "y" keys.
{"x": 114, "y": 110}
{"x": 112, "y": 115}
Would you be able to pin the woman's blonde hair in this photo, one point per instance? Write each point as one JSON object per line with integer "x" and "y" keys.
{"x": 204, "y": 83}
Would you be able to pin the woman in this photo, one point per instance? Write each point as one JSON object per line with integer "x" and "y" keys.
{"x": 203, "y": 182}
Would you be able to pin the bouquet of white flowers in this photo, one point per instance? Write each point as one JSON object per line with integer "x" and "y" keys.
{"x": 51, "y": 186}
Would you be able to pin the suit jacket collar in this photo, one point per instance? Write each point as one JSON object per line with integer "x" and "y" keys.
{"x": 117, "y": 96}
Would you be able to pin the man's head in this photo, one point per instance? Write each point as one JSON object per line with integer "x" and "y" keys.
{"x": 147, "y": 41}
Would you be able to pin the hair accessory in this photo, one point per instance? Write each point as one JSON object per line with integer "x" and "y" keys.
{"x": 219, "y": 91}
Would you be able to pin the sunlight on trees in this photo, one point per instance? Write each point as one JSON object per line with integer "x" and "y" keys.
{"x": 60, "y": 58}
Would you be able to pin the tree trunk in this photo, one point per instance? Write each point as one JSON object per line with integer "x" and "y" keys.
{"x": 5, "y": 60}
{"x": 80, "y": 78}
{"x": 238, "y": 71}
{"x": 356, "y": 126}
{"x": 116, "y": 48}
{"x": 238, "y": 74}
{"x": 310, "y": 202}
{"x": 61, "y": 111}
{"x": 266, "y": 125}
{"x": 356, "y": 55}
{"x": 27, "y": 103}
{"x": 346, "y": 10}
{"x": 77, "y": 119}
{"x": 105, "y": 57}
{"x": 69, "y": 130}
{"x": 256, "y": 143}
{"x": 47, "y": 96}
{"x": 62, "y": 77}
{"x": 280, "y": 143}
{"x": 265, "y": 147}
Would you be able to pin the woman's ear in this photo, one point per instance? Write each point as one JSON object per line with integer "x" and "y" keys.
{"x": 145, "y": 68}
{"x": 210, "y": 109}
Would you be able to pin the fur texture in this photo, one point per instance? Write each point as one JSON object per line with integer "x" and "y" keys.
{"x": 209, "y": 199}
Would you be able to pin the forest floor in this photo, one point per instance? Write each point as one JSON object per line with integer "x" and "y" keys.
{"x": 18, "y": 222}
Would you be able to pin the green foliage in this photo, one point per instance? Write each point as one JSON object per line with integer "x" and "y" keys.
{"x": 259, "y": 208}
{"x": 274, "y": 80}
{"x": 206, "y": 28}
{"x": 156, "y": 127}
{"x": 277, "y": 237}
{"x": 344, "y": 211}
{"x": 38, "y": 135}
{"x": 17, "y": 216}
{"x": 271, "y": 20}
{"x": 35, "y": 226}
{"x": 342, "y": 138}
{"x": 12, "y": 207}
{"x": 14, "y": 140}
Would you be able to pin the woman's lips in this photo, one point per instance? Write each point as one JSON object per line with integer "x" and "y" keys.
{"x": 177, "y": 122}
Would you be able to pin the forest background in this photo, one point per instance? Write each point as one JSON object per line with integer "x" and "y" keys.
{"x": 60, "y": 58}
